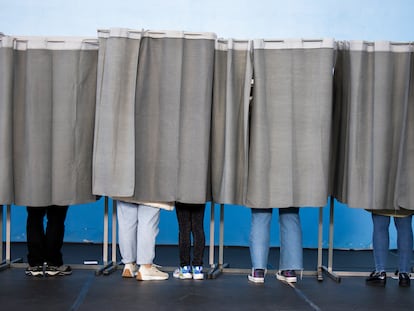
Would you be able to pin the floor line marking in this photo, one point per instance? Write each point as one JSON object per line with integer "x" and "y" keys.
{"x": 82, "y": 294}
{"x": 303, "y": 296}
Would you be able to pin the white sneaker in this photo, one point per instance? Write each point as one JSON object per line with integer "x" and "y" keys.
{"x": 151, "y": 274}
{"x": 198, "y": 273}
{"x": 183, "y": 273}
{"x": 130, "y": 270}
{"x": 176, "y": 273}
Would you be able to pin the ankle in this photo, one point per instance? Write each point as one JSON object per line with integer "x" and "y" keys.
{"x": 146, "y": 266}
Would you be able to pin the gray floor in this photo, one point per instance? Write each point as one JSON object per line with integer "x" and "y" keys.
{"x": 84, "y": 290}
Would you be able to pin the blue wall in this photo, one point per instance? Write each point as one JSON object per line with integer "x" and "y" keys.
{"x": 352, "y": 228}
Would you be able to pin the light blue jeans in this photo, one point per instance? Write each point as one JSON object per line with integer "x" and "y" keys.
{"x": 381, "y": 241}
{"x": 291, "y": 254}
{"x": 137, "y": 231}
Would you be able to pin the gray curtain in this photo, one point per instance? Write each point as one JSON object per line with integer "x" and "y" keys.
{"x": 405, "y": 175}
{"x": 170, "y": 133}
{"x": 233, "y": 72}
{"x": 290, "y": 123}
{"x": 114, "y": 144}
{"x": 372, "y": 88}
{"x": 54, "y": 97}
{"x": 6, "y": 151}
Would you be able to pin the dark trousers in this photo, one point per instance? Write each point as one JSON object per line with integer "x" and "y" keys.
{"x": 190, "y": 222}
{"x": 45, "y": 245}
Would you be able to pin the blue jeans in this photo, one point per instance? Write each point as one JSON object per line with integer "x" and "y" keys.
{"x": 291, "y": 255}
{"x": 381, "y": 240}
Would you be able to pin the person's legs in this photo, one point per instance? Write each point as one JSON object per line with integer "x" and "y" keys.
{"x": 199, "y": 240}
{"x": 260, "y": 237}
{"x": 148, "y": 221}
{"x": 197, "y": 228}
{"x": 184, "y": 232}
{"x": 127, "y": 214}
{"x": 36, "y": 240}
{"x": 380, "y": 241}
{"x": 291, "y": 252}
{"x": 404, "y": 242}
{"x": 55, "y": 232}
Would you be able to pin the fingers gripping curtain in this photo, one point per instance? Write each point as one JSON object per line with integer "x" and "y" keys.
{"x": 290, "y": 123}
{"x": 170, "y": 133}
{"x": 231, "y": 97}
{"x": 6, "y": 151}
{"x": 372, "y": 92}
{"x": 54, "y": 99}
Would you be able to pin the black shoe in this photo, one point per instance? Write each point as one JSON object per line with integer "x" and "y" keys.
{"x": 376, "y": 279}
{"x": 34, "y": 271}
{"x": 404, "y": 279}
{"x": 55, "y": 271}
{"x": 257, "y": 275}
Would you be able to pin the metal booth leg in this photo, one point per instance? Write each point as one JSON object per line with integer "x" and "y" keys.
{"x": 1, "y": 235}
{"x": 106, "y": 264}
{"x": 217, "y": 269}
{"x": 320, "y": 237}
{"x": 112, "y": 268}
{"x": 213, "y": 266}
{"x": 328, "y": 269}
{"x": 6, "y": 263}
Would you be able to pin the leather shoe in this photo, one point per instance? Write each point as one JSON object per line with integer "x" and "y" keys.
{"x": 377, "y": 279}
{"x": 404, "y": 279}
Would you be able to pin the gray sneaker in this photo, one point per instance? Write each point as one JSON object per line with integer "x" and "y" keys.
{"x": 61, "y": 270}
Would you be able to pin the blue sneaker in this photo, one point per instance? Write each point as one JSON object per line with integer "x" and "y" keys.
{"x": 183, "y": 273}
{"x": 198, "y": 273}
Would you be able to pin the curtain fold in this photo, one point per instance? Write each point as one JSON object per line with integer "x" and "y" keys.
{"x": 405, "y": 175}
{"x": 170, "y": 132}
{"x": 162, "y": 116}
{"x": 290, "y": 123}
{"x": 54, "y": 97}
{"x": 233, "y": 72}
{"x": 6, "y": 145}
{"x": 371, "y": 90}
{"x": 114, "y": 143}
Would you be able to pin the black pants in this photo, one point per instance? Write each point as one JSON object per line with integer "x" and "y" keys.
{"x": 190, "y": 222}
{"x": 45, "y": 245}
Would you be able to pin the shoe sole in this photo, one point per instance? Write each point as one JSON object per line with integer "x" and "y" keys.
{"x": 141, "y": 277}
{"x": 186, "y": 276}
{"x": 292, "y": 279}
{"x": 57, "y": 273}
{"x": 255, "y": 280}
{"x": 198, "y": 276}
{"x": 35, "y": 274}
